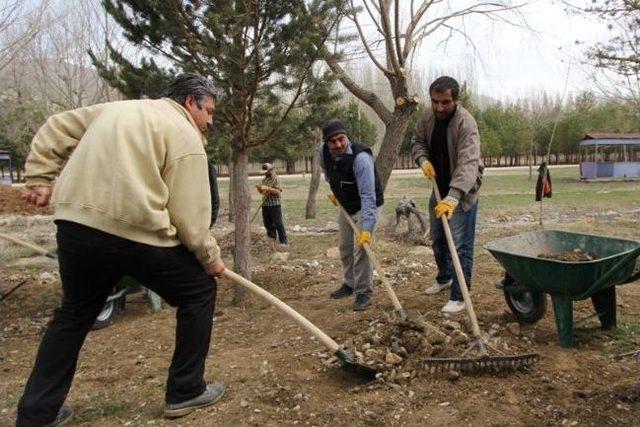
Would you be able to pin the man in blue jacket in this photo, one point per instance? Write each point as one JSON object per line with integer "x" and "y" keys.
{"x": 349, "y": 169}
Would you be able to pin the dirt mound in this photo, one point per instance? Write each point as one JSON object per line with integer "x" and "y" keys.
{"x": 11, "y": 203}
{"x": 575, "y": 255}
{"x": 259, "y": 242}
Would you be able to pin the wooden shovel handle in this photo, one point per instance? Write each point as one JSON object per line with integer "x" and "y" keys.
{"x": 36, "y": 248}
{"x": 257, "y": 210}
{"x": 456, "y": 264}
{"x": 394, "y": 299}
{"x": 285, "y": 309}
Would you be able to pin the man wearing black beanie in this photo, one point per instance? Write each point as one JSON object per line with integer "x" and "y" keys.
{"x": 349, "y": 169}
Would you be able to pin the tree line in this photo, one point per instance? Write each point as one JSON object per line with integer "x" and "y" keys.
{"x": 279, "y": 67}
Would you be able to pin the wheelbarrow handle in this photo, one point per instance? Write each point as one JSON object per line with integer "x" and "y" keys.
{"x": 285, "y": 309}
{"x": 367, "y": 248}
{"x": 602, "y": 281}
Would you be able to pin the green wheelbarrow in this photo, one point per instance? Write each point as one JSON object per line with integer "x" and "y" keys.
{"x": 529, "y": 277}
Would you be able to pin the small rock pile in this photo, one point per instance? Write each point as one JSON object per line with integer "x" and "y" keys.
{"x": 397, "y": 349}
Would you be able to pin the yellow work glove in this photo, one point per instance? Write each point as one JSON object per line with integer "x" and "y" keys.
{"x": 446, "y": 207}
{"x": 428, "y": 170}
{"x": 332, "y": 199}
{"x": 364, "y": 237}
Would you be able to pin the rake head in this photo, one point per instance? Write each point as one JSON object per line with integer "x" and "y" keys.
{"x": 482, "y": 364}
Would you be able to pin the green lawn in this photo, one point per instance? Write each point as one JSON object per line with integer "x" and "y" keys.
{"x": 503, "y": 192}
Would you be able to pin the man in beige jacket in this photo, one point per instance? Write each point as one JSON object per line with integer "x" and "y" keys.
{"x": 132, "y": 199}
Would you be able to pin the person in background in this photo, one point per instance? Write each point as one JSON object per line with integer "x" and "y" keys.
{"x": 271, "y": 206}
{"x": 446, "y": 146}
{"x": 349, "y": 169}
{"x": 132, "y": 198}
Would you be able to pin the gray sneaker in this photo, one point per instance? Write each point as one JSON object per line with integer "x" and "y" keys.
{"x": 211, "y": 395}
{"x": 438, "y": 287}
{"x": 65, "y": 414}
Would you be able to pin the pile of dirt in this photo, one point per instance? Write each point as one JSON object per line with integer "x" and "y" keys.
{"x": 398, "y": 349}
{"x": 11, "y": 203}
{"x": 572, "y": 255}
{"x": 259, "y": 243}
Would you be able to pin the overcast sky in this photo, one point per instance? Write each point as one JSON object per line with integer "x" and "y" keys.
{"x": 514, "y": 62}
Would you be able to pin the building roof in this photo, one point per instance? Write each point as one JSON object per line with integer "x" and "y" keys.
{"x": 609, "y": 138}
{"x": 611, "y": 135}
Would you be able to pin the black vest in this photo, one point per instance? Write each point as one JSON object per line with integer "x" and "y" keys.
{"x": 342, "y": 180}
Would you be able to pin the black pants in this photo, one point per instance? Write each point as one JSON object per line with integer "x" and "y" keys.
{"x": 91, "y": 263}
{"x": 272, "y": 219}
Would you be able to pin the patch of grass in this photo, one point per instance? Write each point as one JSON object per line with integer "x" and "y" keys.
{"x": 11, "y": 401}
{"x": 109, "y": 409}
{"x": 627, "y": 336}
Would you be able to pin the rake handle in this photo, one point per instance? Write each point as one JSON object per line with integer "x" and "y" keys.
{"x": 285, "y": 309}
{"x": 460, "y": 276}
{"x": 394, "y": 299}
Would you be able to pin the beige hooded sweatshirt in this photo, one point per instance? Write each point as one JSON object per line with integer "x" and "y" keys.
{"x": 134, "y": 169}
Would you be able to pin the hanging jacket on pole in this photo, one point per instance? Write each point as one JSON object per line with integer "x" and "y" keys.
{"x": 543, "y": 185}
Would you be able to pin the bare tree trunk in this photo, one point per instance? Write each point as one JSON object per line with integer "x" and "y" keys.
{"x": 310, "y": 210}
{"x": 241, "y": 200}
{"x": 232, "y": 210}
{"x": 394, "y": 132}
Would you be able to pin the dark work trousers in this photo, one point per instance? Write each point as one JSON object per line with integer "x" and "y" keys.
{"x": 91, "y": 263}
{"x": 272, "y": 219}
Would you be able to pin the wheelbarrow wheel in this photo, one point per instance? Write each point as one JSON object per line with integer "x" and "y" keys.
{"x": 527, "y": 306}
{"x": 108, "y": 314}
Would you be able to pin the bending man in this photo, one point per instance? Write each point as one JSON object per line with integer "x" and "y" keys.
{"x": 133, "y": 199}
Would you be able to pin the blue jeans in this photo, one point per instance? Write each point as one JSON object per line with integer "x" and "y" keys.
{"x": 463, "y": 230}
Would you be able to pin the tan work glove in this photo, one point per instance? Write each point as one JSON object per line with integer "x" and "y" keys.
{"x": 446, "y": 207}
{"x": 260, "y": 188}
{"x": 332, "y": 199}
{"x": 428, "y": 170}
{"x": 364, "y": 237}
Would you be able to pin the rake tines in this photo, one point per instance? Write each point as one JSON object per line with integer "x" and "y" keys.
{"x": 482, "y": 364}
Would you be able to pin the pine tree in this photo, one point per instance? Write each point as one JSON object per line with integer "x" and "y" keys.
{"x": 260, "y": 54}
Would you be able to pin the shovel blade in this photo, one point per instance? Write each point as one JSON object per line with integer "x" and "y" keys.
{"x": 356, "y": 369}
{"x": 361, "y": 371}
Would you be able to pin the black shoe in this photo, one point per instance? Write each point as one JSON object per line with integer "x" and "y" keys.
{"x": 210, "y": 396}
{"x": 363, "y": 301}
{"x": 342, "y": 292}
{"x": 64, "y": 415}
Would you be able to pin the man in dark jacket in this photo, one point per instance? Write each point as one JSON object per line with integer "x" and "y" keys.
{"x": 446, "y": 146}
{"x": 350, "y": 171}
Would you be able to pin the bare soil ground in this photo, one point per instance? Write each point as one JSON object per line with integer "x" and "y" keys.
{"x": 12, "y": 203}
{"x": 276, "y": 373}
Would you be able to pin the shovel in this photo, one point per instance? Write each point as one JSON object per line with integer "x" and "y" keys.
{"x": 348, "y": 361}
{"x": 394, "y": 299}
{"x": 38, "y": 249}
{"x": 257, "y": 210}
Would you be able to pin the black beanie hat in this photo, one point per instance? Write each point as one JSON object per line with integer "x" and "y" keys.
{"x": 332, "y": 128}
